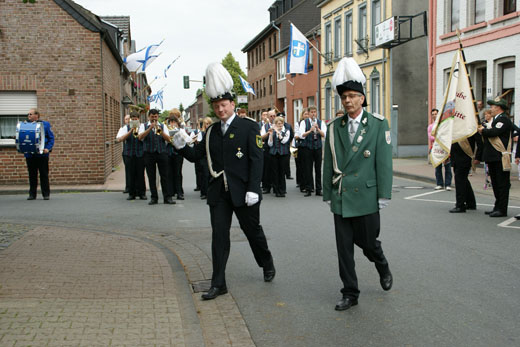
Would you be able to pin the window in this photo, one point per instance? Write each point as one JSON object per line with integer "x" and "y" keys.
{"x": 297, "y": 109}
{"x": 281, "y": 64}
{"x": 479, "y": 10}
{"x": 310, "y": 101}
{"x": 454, "y": 14}
{"x": 376, "y": 18}
{"x": 270, "y": 84}
{"x": 508, "y": 84}
{"x": 375, "y": 95}
{"x": 264, "y": 88}
{"x": 328, "y": 100}
{"x": 274, "y": 43}
{"x": 328, "y": 40}
{"x": 362, "y": 26}
{"x": 337, "y": 37}
{"x": 310, "y": 59}
{"x": 509, "y": 6}
{"x": 263, "y": 50}
{"x": 256, "y": 55}
{"x": 270, "y": 48}
{"x": 348, "y": 33}
{"x": 14, "y": 107}
{"x": 337, "y": 103}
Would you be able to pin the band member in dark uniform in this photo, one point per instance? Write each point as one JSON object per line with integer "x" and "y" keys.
{"x": 155, "y": 138}
{"x": 133, "y": 152}
{"x": 357, "y": 180}
{"x": 39, "y": 161}
{"x": 496, "y": 153}
{"x": 233, "y": 147}
{"x": 462, "y": 154}
{"x": 278, "y": 142}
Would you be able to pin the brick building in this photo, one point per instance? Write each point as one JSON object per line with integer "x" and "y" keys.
{"x": 67, "y": 62}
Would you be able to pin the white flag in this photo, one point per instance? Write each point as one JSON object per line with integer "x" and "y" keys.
{"x": 298, "y": 55}
{"x": 139, "y": 61}
{"x": 457, "y": 120}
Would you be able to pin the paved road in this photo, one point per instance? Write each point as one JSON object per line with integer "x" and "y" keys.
{"x": 456, "y": 277}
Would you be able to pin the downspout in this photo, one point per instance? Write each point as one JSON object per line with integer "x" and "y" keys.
{"x": 318, "y": 63}
{"x": 279, "y": 34}
{"x": 383, "y": 72}
{"x": 101, "y": 39}
{"x": 276, "y": 64}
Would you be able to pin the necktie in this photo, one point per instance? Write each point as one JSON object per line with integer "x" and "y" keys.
{"x": 224, "y": 128}
{"x": 351, "y": 129}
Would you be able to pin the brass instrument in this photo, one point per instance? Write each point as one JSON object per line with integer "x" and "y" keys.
{"x": 134, "y": 125}
{"x": 158, "y": 129}
{"x": 135, "y": 132}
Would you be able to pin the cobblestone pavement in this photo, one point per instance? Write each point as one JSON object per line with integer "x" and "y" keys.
{"x": 75, "y": 287}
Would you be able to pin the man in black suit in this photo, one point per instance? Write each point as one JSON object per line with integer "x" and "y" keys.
{"x": 233, "y": 148}
{"x": 497, "y": 140}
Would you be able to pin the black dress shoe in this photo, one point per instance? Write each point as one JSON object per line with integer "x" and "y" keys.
{"x": 308, "y": 193}
{"x": 266, "y": 191}
{"x": 457, "y": 210}
{"x": 497, "y": 214}
{"x": 318, "y": 193}
{"x": 126, "y": 191}
{"x": 196, "y": 189}
{"x": 131, "y": 198}
{"x": 489, "y": 212}
{"x": 152, "y": 202}
{"x": 143, "y": 197}
{"x": 517, "y": 216}
{"x": 169, "y": 201}
{"x": 269, "y": 272}
{"x": 385, "y": 276}
{"x": 345, "y": 304}
{"x": 472, "y": 207}
{"x": 290, "y": 178}
{"x": 31, "y": 197}
{"x": 203, "y": 197}
{"x": 280, "y": 195}
{"x": 180, "y": 197}
{"x": 46, "y": 198}
{"x": 213, "y": 292}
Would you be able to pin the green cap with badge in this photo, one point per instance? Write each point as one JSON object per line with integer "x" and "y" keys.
{"x": 498, "y": 101}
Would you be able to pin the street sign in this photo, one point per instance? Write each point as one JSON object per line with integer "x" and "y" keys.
{"x": 386, "y": 32}
{"x": 242, "y": 99}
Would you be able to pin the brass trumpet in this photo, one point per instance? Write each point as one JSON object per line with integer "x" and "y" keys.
{"x": 135, "y": 132}
{"x": 158, "y": 129}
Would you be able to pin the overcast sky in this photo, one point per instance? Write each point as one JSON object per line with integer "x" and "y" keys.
{"x": 200, "y": 31}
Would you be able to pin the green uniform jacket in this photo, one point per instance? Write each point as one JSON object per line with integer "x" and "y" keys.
{"x": 365, "y": 165}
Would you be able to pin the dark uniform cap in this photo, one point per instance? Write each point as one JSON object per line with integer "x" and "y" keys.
{"x": 352, "y": 85}
{"x": 498, "y": 102}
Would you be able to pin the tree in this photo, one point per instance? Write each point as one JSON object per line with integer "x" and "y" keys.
{"x": 234, "y": 70}
{"x": 181, "y": 108}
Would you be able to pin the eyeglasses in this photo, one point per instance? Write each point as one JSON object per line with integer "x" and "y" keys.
{"x": 349, "y": 96}
{"x": 30, "y": 114}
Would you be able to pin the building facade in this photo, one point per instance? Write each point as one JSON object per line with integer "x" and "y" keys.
{"x": 74, "y": 80}
{"x": 490, "y": 36}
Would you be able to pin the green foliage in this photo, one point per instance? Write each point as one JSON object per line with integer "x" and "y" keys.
{"x": 181, "y": 108}
{"x": 164, "y": 114}
{"x": 31, "y": 1}
{"x": 233, "y": 66}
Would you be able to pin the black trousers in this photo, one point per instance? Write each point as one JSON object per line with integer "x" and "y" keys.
{"x": 34, "y": 165}
{"x": 198, "y": 173}
{"x": 278, "y": 182}
{"x": 464, "y": 195}
{"x": 150, "y": 162}
{"x": 362, "y": 231}
{"x": 501, "y": 182}
{"x": 299, "y": 169}
{"x": 312, "y": 158}
{"x": 127, "y": 172}
{"x": 135, "y": 167}
{"x": 249, "y": 220}
{"x": 175, "y": 175}
{"x": 204, "y": 177}
{"x": 287, "y": 165}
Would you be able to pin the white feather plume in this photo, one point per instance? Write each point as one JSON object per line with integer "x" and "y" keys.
{"x": 218, "y": 80}
{"x": 347, "y": 70}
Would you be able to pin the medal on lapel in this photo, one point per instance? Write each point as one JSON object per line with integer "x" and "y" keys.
{"x": 239, "y": 154}
{"x": 366, "y": 153}
{"x": 231, "y": 136}
{"x": 354, "y": 149}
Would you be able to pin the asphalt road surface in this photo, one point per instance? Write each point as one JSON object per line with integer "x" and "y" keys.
{"x": 456, "y": 276}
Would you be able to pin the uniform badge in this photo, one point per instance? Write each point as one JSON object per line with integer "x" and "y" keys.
{"x": 363, "y": 131}
{"x": 364, "y": 121}
{"x": 259, "y": 142}
{"x": 360, "y": 138}
{"x": 366, "y": 153}
{"x": 388, "y": 137}
{"x": 239, "y": 154}
{"x": 499, "y": 125}
{"x": 354, "y": 148}
{"x": 497, "y": 99}
{"x": 343, "y": 123}
{"x": 231, "y": 136}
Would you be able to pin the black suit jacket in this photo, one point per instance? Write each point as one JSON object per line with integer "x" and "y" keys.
{"x": 501, "y": 127}
{"x": 460, "y": 158}
{"x": 238, "y": 152}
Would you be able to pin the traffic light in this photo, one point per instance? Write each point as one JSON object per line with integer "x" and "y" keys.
{"x": 186, "y": 82}
{"x": 204, "y": 81}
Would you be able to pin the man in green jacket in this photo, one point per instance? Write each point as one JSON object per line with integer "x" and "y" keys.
{"x": 357, "y": 180}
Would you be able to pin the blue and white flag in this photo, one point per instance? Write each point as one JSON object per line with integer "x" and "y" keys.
{"x": 157, "y": 97}
{"x": 169, "y": 66}
{"x": 298, "y": 55}
{"x": 140, "y": 60}
{"x": 247, "y": 87}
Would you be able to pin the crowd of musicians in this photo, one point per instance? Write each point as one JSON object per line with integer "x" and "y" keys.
{"x": 148, "y": 147}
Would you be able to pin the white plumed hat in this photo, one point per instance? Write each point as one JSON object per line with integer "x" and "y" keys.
{"x": 348, "y": 76}
{"x": 219, "y": 84}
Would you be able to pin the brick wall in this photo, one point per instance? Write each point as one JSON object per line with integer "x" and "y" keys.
{"x": 47, "y": 51}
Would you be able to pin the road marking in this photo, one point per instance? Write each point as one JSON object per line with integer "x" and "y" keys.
{"x": 505, "y": 224}
{"x": 423, "y": 194}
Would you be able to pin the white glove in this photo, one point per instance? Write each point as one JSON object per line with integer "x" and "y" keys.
{"x": 179, "y": 140}
{"x": 327, "y": 202}
{"x": 383, "y": 202}
{"x": 251, "y": 198}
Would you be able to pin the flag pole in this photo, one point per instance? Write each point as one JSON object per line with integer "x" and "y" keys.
{"x": 317, "y": 50}
{"x": 470, "y": 84}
